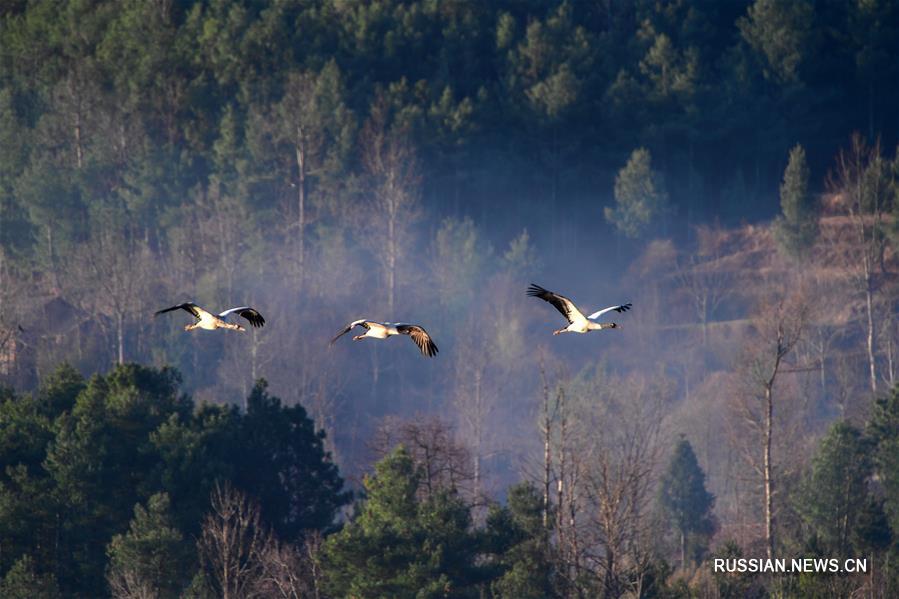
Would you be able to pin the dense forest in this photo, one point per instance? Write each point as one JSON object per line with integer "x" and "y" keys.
{"x": 727, "y": 167}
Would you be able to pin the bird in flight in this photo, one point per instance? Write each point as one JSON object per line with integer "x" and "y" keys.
{"x": 383, "y": 330}
{"x": 577, "y": 322}
{"x": 208, "y": 321}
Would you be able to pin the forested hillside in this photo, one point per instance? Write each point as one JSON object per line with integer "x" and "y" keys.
{"x": 727, "y": 167}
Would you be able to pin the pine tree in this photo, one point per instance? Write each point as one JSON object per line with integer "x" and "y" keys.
{"x": 152, "y": 558}
{"x": 58, "y": 391}
{"x": 516, "y": 537}
{"x": 23, "y": 582}
{"x": 401, "y": 546}
{"x": 778, "y": 31}
{"x": 797, "y": 227}
{"x": 883, "y": 430}
{"x": 640, "y": 196}
{"x": 834, "y": 494}
{"x": 686, "y": 501}
{"x": 282, "y": 460}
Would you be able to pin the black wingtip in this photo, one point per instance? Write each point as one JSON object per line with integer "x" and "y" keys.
{"x": 535, "y": 290}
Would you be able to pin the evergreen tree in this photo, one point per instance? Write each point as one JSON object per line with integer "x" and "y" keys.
{"x": 779, "y": 31}
{"x": 400, "y": 546}
{"x": 23, "y": 582}
{"x": 883, "y": 430}
{"x": 640, "y": 196}
{"x": 194, "y": 454}
{"x": 686, "y": 501}
{"x": 101, "y": 463}
{"x": 58, "y": 392}
{"x": 834, "y": 494}
{"x": 280, "y": 458}
{"x": 797, "y": 227}
{"x": 515, "y": 536}
{"x": 152, "y": 559}
{"x": 737, "y": 585}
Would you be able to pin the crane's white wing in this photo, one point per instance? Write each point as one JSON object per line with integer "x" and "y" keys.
{"x": 621, "y": 308}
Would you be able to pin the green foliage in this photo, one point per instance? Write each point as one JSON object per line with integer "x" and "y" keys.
{"x": 735, "y": 585}
{"x": 883, "y": 430}
{"x": 400, "y": 545}
{"x": 194, "y": 454}
{"x": 779, "y": 30}
{"x": 300, "y": 486}
{"x": 58, "y": 391}
{"x": 518, "y": 543}
{"x": 834, "y": 495}
{"x": 102, "y": 445}
{"x": 640, "y": 196}
{"x": 23, "y": 582}
{"x": 687, "y": 503}
{"x": 152, "y": 557}
{"x": 130, "y": 438}
{"x": 24, "y": 434}
{"x": 521, "y": 257}
{"x": 159, "y": 141}
{"x": 460, "y": 258}
{"x": 797, "y": 227}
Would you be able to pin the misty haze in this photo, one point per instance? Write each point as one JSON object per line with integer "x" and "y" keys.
{"x": 723, "y": 176}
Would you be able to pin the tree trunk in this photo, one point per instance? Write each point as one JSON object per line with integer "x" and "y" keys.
{"x": 560, "y": 497}
{"x": 254, "y": 353}
{"x": 479, "y": 425}
{"x": 769, "y": 420}
{"x": 546, "y": 472}
{"x": 869, "y": 307}
{"x": 120, "y": 334}
{"x": 610, "y": 582}
{"x": 391, "y": 261}
{"x": 51, "y": 255}
{"x": 76, "y": 126}
{"x": 683, "y": 550}
{"x": 301, "y": 205}
{"x": 547, "y": 455}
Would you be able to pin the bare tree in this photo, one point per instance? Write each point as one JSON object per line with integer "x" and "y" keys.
{"x": 443, "y": 462}
{"x": 704, "y": 278}
{"x": 620, "y": 477}
{"x": 548, "y": 411}
{"x": 227, "y": 234}
{"x": 291, "y": 572}
{"x": 233, "y": 544}
{"x": 116, "y": 264}
{"x": 570, "y": 472}
{"x": 390, "y": 162}
{"x": 301, "y": 135}
{"x": 130, "y": 584}
{"x": 777, "y": 329}
{"x": 864, "y": 180}
{"x": 476, "y": 379}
